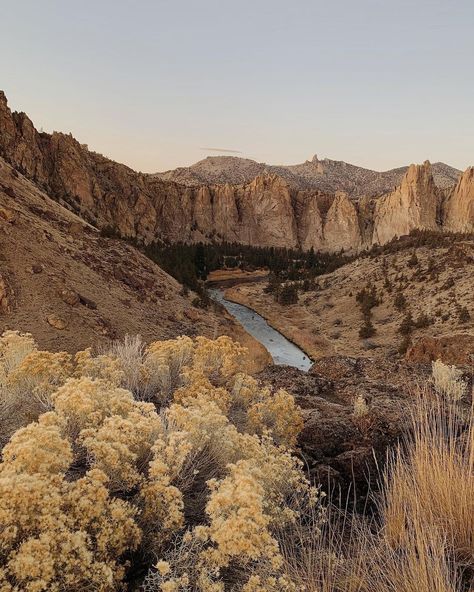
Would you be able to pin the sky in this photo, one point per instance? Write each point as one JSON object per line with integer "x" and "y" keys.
{"x": 160, "y": 84}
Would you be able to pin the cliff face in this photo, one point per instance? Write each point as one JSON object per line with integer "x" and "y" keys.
{"x": 459, "y": 211}
{"x": 411, "y": 206}
{"x": 267, "y": 211}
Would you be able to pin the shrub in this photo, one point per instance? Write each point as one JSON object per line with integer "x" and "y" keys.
{"x": 407, "y": 325}
{"x": 413, "y": 261}
{"x": 464, "y": 315}
{"x": 367, "y": 299}
{"x": 367, "y": 330}
{"x": 422, "y": 321}
{"x": 448, "y": 381}
{"x": 204, "y": 467}
{"x": 400, "y": 301}
{"x": 287, "y": 295}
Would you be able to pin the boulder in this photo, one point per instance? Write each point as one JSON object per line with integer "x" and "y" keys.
{"x": 457, "y": 349}
{"x": 69, "y": 296}
{"x": 57, "y": 322}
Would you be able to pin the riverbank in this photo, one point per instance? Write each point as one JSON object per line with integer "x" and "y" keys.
{"x": 290, "y": 321}
{"x": 227, "y": 278}
{"x": 281, "y": 349}
{"x": 258, "y": 357}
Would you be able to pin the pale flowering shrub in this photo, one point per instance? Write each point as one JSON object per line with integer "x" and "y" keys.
{"x": 276, "y": 414}
{"x": 162, "y": 501}
{"x": 14, "y": 347}
{"x": 448, "y": 381}
{"x": 219, "y": 358}
{"x": 361, "y": 414}
{"x": 359, "y": 407}
{"x": 238, "y": 526}
{"x": 164, "y": 363}
{"x": 86, "y": 403}
{"x": 57, "y": 534}
{"x": 237, "y": 539}
{"x": 197, "y": 385}
{"x": 18, "y": 404}
{"x": 39, "y": 375}
{"x": 130, "y": 354}
{"x": 101, "y": 367}
{"x": 121, "y": 446}
{"x": 38, "y": 448}
{"x": 162, "y": 454}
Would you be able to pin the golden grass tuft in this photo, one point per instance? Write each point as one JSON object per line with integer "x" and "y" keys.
{"x": 423, "y": 537}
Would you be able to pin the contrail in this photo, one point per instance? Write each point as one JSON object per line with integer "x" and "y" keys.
{"x": 222, "y": 150}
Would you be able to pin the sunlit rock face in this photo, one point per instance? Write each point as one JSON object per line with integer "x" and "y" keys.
{"x": 413, "y": 205}
{"x": 459, "y": 210}
{"x": 267, "y": 210}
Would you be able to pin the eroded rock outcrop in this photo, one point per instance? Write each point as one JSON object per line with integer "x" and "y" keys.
{"x": 459, "y": 212}
{"x": 457, "y": 349}
{"x": 266, "y": 211}
{"x": 342, "y": 230}
{"x": 411, "y": 206}
{"x": 340, "y": 451}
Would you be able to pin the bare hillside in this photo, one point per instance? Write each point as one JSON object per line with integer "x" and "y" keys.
{"x": 72, "y": 288}
{"x": 430, "y": 285}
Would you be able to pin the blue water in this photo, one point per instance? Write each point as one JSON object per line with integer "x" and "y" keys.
{"x": 281, "y": 350}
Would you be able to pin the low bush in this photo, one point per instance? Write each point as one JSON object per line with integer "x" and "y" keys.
{"x": 162, "y": 455}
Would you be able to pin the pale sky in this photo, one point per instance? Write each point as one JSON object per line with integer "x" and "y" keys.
{"x": 158, "y": 84}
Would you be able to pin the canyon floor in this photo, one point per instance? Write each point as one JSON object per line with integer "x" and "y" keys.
{"x": 435, "y": 283}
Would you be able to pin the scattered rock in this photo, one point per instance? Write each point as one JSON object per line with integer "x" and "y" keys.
{"x": 36, "y": 268}
{"x": 192, "y": 314}
{"x": 7, "y": 214}
{"x": 9, "y": 191}
{"x": 69, "y": 297}
{"x": 76, "y": 228}
{"x": 57, "y": 322}
{"x": 87, "y": 302}
{"x": 105, "y": 328}
{"x": 5, "y": 296}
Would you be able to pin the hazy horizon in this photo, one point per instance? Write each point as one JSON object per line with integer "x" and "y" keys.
{"x": 162, "y": 84}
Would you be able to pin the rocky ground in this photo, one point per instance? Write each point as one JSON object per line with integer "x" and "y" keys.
{"x": 72, "y": 288}
{"x": 344, "y": 451}
{"x": 354, "y": 409}
{"x": 435, "y": 284}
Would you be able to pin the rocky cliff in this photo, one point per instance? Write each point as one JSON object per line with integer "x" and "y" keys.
{"x": 459, "y": 211}
{"x": 413, "y": 205}
{"x": 266, "y": 211}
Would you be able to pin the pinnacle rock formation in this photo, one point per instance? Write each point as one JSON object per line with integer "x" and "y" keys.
{"x": 341, "y": 230}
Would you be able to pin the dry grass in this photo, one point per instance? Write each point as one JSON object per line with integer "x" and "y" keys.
{"x": 423, "y": 539}
{"x": 432, "y": 485}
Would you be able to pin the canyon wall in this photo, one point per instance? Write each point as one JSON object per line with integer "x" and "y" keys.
{"x": 266, "y": 211}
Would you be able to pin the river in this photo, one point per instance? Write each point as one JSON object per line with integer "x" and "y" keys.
{"x": 281, "y": 350}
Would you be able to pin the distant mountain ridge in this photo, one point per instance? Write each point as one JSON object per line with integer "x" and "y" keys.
{"x": 324, "y": 175}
